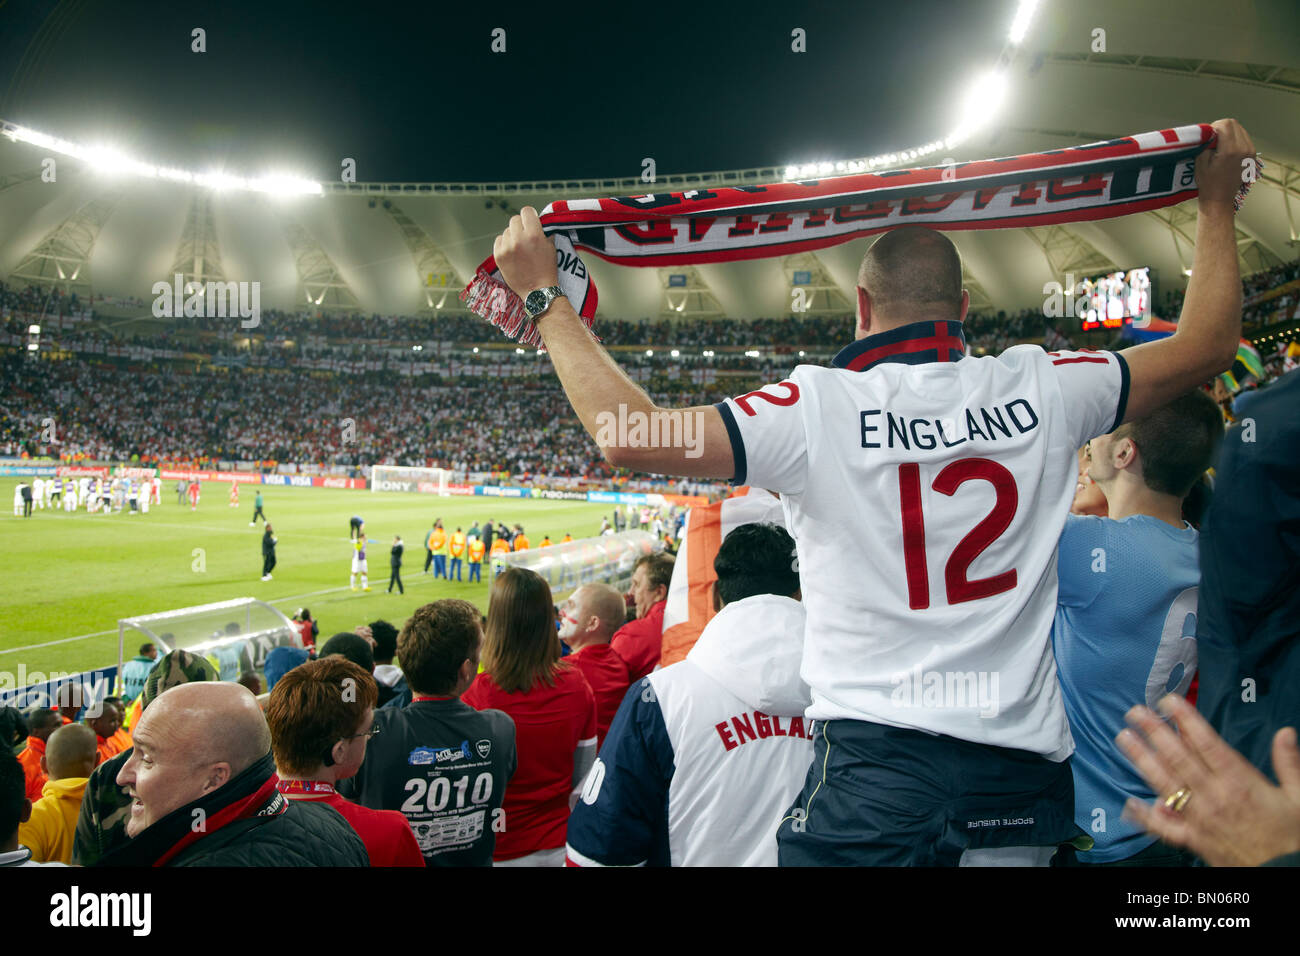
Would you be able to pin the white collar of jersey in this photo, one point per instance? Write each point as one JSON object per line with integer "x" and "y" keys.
{"x": 15, "y": 857}
{"x": 912, "y": 344}
{"x": 753, "y": 648}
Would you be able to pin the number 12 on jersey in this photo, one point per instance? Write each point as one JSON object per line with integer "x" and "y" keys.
{"x": 958, "y": 585}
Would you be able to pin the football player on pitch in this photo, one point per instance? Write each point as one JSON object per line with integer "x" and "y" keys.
{"x": 359, "y": 562}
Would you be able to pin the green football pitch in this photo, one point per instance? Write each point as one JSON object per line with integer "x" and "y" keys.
{"x": 66, "y": 579}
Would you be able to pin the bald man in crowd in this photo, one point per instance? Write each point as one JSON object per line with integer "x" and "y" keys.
{"x": 70, "y": 755}
{"x": 588, "y": 620}
{"x": 105, "y": 807}
{"x": 201, "y": 779}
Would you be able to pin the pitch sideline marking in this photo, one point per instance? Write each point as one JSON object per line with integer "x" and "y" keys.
{"x": 82, "y": 637}
{"x": 205, "y": 527}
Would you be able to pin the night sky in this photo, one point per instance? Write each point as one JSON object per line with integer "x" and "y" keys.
{"x": 416, "y": 94}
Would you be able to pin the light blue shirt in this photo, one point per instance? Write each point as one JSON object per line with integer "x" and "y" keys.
{"x": 1124, "y": 634}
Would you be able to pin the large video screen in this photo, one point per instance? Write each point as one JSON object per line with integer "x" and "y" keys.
{"x": 1114, "y": 299}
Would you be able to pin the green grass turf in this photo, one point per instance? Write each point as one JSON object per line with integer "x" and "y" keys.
{"x": 74, "y": 575}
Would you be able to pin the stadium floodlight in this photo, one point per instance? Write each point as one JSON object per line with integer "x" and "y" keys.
{"x": 674, "y": 353}
{"x": 219, "y": 181}
{"x": 176, "y": 175}
{"x": 476, "y": 350}
{"x": 1020, "y": 24}
{"x": 981, "y": 105}
{"x": 649, "y": 351}
{"x": 519, "y": 351}
{"x": 34, "y": 330}
{"x": 801, "y": 353}
{"x": 32, "y": 347}
{"x": 112, "y": 161}
{"x": 21, "y": 134}
{"x": 281, "y": 185}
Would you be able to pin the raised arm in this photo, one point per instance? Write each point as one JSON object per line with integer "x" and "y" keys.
{"x": 692, "y": 442}
{"x": 1210, "y": 325}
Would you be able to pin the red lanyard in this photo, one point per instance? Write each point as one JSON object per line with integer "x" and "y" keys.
{"x": 304, "y": 786}
{"x": 417, "y": 698}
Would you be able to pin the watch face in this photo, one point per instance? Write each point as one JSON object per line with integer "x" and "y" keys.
{"x": 535, "y": 302}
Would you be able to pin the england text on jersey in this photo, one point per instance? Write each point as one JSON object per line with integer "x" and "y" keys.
{"x": 1016, "y": 417}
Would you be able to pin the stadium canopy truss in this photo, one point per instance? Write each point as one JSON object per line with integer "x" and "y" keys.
{"x": 408, "y": 248}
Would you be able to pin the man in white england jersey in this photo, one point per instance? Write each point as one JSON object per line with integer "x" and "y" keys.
{"x": 926, "y": 490}
{"x": 1139, "y": 281}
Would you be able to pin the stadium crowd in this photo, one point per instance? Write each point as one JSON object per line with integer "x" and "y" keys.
{"x": 457, "y": 413}
{"x": 184, "y": 415}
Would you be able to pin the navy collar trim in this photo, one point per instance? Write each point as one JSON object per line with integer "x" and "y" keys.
{"x": 913, "y": 344}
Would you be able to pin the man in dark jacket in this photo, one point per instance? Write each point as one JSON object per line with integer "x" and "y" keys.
{"x": 1248, "y": 619}
{"x": 489, "y": 532}
{"x": 105, "y": 807}
{"x": 203, "y": 787}
{"x": 395, "y": 565}
{"x": 268, "y": 552}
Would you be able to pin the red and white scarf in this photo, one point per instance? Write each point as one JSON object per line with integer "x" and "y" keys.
{"x": 731, "y": 223}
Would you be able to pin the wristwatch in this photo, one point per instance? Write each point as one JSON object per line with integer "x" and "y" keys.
{"x": 539, "y": 300}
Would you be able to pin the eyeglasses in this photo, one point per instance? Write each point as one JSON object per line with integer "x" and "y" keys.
{"x": 327, "y": 758}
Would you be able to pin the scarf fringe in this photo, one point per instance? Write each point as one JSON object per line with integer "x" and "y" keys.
{"x": 493, "y": 301}
{"x": 1245, "y": 184}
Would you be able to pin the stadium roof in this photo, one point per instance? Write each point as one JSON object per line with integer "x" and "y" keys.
{"x": 370, "y": 248}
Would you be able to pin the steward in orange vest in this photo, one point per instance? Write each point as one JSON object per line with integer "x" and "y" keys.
{"x": 438, "y": 549}
{"x": 476, "y": 550}
{"x": 457, "y": 551}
